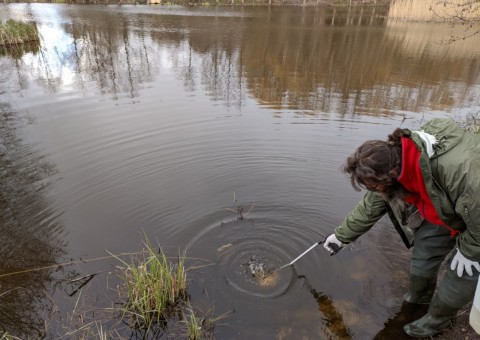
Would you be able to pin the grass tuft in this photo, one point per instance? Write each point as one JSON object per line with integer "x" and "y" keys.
{"x": 199, "y": 327}
{"x": 194, "y": 325}
{"x": 16, "y": 32}
{"x": 153, "y": 286}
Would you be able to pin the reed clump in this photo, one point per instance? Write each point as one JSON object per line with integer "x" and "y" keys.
{"x": 153, "y": 286}
{"x": 15, "y": 32}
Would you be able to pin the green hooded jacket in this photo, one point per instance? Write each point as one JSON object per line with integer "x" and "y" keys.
{"x": 452, "y": 179}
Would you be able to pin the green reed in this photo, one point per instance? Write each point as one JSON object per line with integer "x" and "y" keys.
{"x": 16, "y": 32}
{"x": 193, "y": 325}
{"x": 200, "y": 327}
{"x": 152, "y": 286}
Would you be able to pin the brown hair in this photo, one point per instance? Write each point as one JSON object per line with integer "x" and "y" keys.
{"x": 377, "y": 161}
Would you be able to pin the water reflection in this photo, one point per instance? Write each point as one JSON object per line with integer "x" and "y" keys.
{"x": 393, "y": 329}
{"x": 30, "y": 233}
{"x": 335, "y": 327}
{"x": 363, "y": 70}
{"x": 17, "y": 52}
{"x": 317, "y": 60}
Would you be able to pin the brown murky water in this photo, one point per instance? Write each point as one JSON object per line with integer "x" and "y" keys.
{"x": 177, "y": 121}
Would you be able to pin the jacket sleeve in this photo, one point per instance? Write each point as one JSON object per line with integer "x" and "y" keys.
{"x": 361, "y": 219}
{"x": 468, "y": 207}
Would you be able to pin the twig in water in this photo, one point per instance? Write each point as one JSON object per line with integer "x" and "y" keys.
{"x": 88, "y": 279}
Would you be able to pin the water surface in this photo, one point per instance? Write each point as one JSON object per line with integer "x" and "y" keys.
{"x": 219, "y": 131}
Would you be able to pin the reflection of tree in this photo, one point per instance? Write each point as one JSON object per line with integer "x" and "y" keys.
{"x": 112, "y": 58}
{"x": 335, "y": 327}
{"x": 222, "y": 64}
{"x": 29, "y": 231}
{"x": 102, "y": 53}
{"x": 316, "y": 66}
{"x": 312, "y": 59}
{"x": 17, "y": 51}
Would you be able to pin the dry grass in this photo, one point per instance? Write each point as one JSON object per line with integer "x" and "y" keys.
{"x": 15, "y": 32}
{"x": 435, "y": 10}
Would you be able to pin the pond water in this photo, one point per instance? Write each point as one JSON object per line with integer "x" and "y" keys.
{"x": 216, "y": 131}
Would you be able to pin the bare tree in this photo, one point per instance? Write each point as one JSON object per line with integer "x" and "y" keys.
{"x": 463, "y": 12}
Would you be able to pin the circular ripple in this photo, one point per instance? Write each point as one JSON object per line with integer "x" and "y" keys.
{"x": 251, "y": 266}
{"x": 247, "y": 253}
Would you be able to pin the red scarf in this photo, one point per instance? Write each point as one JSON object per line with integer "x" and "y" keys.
{"x": 412, "y": 179}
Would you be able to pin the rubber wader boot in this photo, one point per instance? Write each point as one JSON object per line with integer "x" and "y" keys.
{"x": 439, "y": 317}
{"x": 421, "y": 289}
{"x": 454, "y": 292}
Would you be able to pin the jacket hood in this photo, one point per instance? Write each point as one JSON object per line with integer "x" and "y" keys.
{"x": 447, "y": 133}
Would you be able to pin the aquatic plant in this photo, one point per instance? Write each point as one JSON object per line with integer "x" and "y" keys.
{"x": 16, "y": 32}
{"x": 193, "y": 324}
{"x": 200, "y": 327}
{"x": 153, "y": 290}
{"x": 239, "y": 210}
{"x": 152, "y": 286}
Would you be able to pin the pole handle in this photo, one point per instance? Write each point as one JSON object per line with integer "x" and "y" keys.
{"x": 336, "y": 248}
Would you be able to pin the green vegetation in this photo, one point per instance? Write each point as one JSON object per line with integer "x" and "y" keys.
{"x": 152, "y": 300}
{"x": 193, "y": 324}
{"x": 155, "y": 291}
{"x": 153, "y": 286}
{"x": 15, "y": 32}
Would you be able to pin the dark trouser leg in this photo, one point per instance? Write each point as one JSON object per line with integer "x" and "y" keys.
{"x": 454, "y": 292}
{"x": 431, "y": 245}
{"x": 421, "y": 289}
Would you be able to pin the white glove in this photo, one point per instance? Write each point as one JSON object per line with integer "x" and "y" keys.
{"x": 332, "y": 239}
{"x": 461, "y": 262}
